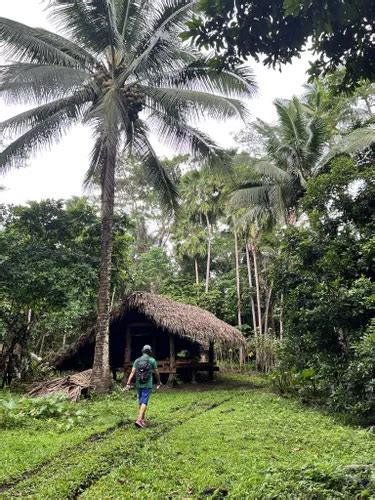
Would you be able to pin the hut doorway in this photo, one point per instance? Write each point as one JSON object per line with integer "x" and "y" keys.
{"x": 140, "y": 336}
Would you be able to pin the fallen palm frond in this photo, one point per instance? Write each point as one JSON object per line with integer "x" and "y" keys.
{"x": 73, "y": 386}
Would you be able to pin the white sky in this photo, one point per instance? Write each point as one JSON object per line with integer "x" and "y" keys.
{"x": 59, "y": 173}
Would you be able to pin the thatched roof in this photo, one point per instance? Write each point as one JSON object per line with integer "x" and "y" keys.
{"x": 184, "y": 320}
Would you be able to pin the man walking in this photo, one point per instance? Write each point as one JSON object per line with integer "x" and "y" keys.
{"x": 143, "y": 369}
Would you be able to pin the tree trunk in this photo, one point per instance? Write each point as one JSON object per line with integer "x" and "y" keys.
{"x": 256, "y": 275}
{"x": 101, "y": 376}
{"x": 282, "y": 316}
{"x": 42, "y": 344}
{"x": 259, "y": 341}
{"x": 266, "y": 314}
{"x": 249, "y": 273}
{"x": 208, "y": 253}
{"x": 196, "y": 271}
{"x": 238, "y": 285}
{"x": 238, "y": 290}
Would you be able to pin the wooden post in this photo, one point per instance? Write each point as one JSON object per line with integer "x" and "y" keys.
{"x": 127, "y": 356}
{"x": 172, "y": 361}
{"x": 211, "y": 360}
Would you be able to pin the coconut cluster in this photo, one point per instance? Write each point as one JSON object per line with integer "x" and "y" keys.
{"x": 135, "y": 100}
{"x": 132, "y": 95}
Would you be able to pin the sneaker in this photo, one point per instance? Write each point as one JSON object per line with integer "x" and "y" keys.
{"x": 139, "y": 423}
{"x": 144, "y": 423}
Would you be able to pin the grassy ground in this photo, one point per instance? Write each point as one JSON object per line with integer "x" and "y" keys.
{"x": 232, "y": 438}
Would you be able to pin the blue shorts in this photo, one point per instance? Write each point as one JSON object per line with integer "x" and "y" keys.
{"x": 144, "y": 395}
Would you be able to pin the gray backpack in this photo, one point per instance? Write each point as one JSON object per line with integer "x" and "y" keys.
{"x": 144, "y": 370}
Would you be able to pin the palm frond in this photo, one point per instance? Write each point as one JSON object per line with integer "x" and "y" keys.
{"x": 256, "y": 218}
{"x": 194, "y": 104}
{"x": 28, "y": 83}
{"x": 98, "y": 160}
{"x": 43, "y": 135}
{"x": 316, "y": 141}
{"x": 106, "y": 114}
{"x": 250, "y": 196}
{"x": 271, "y": 171}
{"x": 158, "y": 177}
{"x": 166, "y": 14}
{"x": 129, "y": 16}
{"x": 356, "y": 141}
{"x": 87, "y": 60}
{"x": 32, "y": 117}
{"x": 24, "y": 44}
{"x": 182, "y": 137}
{"x": 198, "y": 75}
{"x": 166, "y": 53}
{"x": 88, "y": 22}
{"x": 290, "y": 120}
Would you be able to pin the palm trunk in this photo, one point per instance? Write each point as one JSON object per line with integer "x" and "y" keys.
{"x": 238, "y": 290}
{"x": 196, "y": 271}
{"x": 208, "y": 253}
{"x": 266, "y": 314}
{"x": 238, "y": 286}
{"x": 250, "y": 278}
{"x": 259, "y": 342}
{"x": 256, "y": 275}
{"x": 101, "y": 377}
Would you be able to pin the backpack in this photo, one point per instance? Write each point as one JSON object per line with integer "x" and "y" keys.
{"x": 144, "y": 370}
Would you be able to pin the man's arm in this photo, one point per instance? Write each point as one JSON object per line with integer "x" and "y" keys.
{"x": 131, "y": 376}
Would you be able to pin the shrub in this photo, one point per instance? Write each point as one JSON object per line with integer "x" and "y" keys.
{"x": 310, "y": 482}
{"x": 23, "y": 411}
{"x": 355, "y": 392}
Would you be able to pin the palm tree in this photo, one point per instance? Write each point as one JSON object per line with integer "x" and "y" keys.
{"x": 121, "y": 67}
{"x": 294, "y": 148}
{"x": 191, "y": 242}
{"x": 201, "y": 192}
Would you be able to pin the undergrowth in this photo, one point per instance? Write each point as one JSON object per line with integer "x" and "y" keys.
{"x": 232, "y": 439}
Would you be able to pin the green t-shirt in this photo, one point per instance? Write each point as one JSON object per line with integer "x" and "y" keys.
{"x": 148, "y": 384}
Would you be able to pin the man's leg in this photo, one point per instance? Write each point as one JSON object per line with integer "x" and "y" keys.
{"x": 144, "y": 396}
{"x": 142, "y": 411}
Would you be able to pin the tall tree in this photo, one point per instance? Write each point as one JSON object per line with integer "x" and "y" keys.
{"x": 201, "y": 191}
{"x": 190, "y": 241}
{"x": 117, "y": 59}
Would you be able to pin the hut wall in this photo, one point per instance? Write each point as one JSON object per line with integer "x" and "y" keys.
{"x": 144, "y": 332}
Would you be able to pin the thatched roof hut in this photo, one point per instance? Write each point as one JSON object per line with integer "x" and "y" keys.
{"x": 170, "y": 327}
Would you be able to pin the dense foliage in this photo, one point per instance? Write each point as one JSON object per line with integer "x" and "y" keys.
{"x": 341, "y": 33}
{"x": 325, "y": 271}
{"x": 49, "y": 254}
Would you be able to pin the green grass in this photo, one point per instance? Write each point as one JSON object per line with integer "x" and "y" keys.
{"x": 234, "y": 440}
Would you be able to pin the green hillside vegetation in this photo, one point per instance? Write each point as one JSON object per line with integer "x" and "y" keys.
{"x": 231, "y": 438}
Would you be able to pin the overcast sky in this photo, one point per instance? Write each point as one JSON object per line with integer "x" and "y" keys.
{"x": 59, "y": 173}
